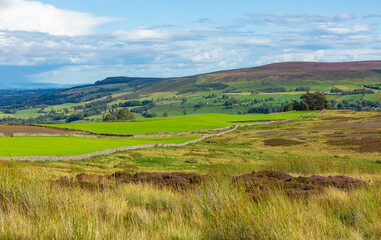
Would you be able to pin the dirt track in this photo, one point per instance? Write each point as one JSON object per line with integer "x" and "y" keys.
{"x": 9, "y": 130}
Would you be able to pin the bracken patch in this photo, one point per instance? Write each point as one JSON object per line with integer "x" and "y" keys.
{"x": 364, "y": 144}
{"x": 281, "y": 142}
{"x": 255, "y": 183}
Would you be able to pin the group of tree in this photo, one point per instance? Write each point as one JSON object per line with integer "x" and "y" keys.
{"x": 353, "y": 92}
{"x": 310, "y": 101}
{"x": 132, "y": 103}
{"x": 374, "y": 86}
{"x": 302, "y": 89}
{"x": 358, "y": 105}
{"x": 74, "y": 117}
{"x": 213, "y": 95}
{"x": 146, "y": 105}
{"x": 229, "y": 103}
{"x": 273, "y": 89}
{"x": 122, "y": 115}
{"x": 266, "y": 108}
{"x": 149, "y": 115}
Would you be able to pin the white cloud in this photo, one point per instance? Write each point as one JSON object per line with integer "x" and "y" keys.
{"x": 35, "y": 16}
{"x": 140, "y": 35}
{"x": 342, "y": 29}
{"x": 256, "y": 41}
{"x": 360, "y": 28}
{"x": 296, "y": 20}
{"x": 184, "y": 51}
{"x": 344, "y": 17}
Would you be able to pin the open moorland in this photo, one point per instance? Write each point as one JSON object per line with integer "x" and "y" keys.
{"x": 266, "y": 181}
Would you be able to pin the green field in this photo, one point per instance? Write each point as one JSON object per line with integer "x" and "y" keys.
{"x": 61, "y": 146}
{"x": 175, "y": 124}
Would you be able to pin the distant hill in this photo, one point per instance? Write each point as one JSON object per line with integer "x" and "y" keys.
{"x": 341, "y": 78}
{"x": 131, "y": 81}
{"x": 32, "y": 86}
{"x": 290, "y": 73}
{"x": 277, "y": 74}
{"x": 295, "y": 71}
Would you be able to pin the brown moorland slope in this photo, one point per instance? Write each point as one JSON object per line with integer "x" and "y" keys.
{"x": 307, "y": 68}
{"x": 297, "y": 70}
{"x": 284, "y": 73}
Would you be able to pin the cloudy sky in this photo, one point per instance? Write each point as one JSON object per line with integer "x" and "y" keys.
{"x": 75, "y": 42}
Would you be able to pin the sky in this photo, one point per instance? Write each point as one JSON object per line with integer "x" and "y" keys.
{"x": 78, "y": 42}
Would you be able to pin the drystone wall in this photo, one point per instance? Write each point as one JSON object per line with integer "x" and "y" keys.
{"x": 51, "y": 135}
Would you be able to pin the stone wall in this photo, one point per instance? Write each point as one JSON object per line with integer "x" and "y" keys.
{"x": 51, "y": 135}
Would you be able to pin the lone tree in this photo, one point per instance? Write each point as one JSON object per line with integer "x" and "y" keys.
{"x": 310, "y": 101}
{"x": 315, "y": 101}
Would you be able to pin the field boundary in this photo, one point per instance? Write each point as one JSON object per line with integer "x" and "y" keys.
{"x": 51, "y": 135}
{"x": 136, "y": 147}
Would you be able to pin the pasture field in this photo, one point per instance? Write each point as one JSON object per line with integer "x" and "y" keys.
{"x": 175, "y": 124}
{"x": 25, "y": 114}
{"x": 36, "y": 202}
{"x": 61, "y": 146}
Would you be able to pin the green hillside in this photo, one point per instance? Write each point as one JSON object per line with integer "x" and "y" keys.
{"x": 264, "y": 89}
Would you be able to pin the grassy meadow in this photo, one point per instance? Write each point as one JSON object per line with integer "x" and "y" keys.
{"x": 175, "y": 124}
{"x": 331, "y": 143}
{"x": 61, "y": 146}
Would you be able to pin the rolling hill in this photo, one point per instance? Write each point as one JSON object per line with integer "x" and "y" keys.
{"x": 287, "y": 73}
{"x": 270, "y": 86}
{"x": 284, "y": 74}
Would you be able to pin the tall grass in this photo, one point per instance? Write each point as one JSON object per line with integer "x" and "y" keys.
{"x": 31, "y": 209}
